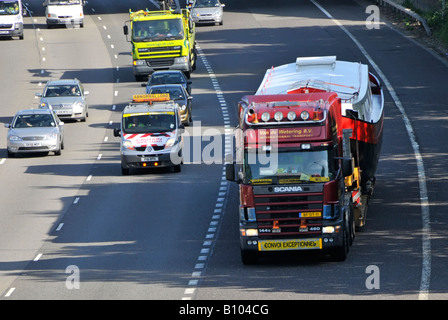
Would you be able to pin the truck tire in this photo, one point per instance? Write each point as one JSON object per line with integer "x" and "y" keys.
{"x": 341, "y": 253}
{"x": 249, "y": 257}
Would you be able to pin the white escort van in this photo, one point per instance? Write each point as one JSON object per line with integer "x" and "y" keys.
{"x": 64, "y": 12}
{"x": 11, "y": 18}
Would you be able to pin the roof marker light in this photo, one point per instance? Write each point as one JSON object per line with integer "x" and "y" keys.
{"x": 278, "y": 116}
{"x": 304, "y": 115}
{"x": 291, "y": 115}
{"x": 265, "y": 116}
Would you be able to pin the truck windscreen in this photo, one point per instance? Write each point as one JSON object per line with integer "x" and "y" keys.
{"x": 149, "y": 123}
{"x": 156, "y": 30}
{"x": 9, "y": 7}
{"x": 278, "y": 167}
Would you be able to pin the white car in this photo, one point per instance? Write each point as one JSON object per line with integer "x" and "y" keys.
{"x": 67, "y": 98}
{"x": 64, "y": 12}
{"x": 35, "y": 130}
{"x": 207, "y": 11}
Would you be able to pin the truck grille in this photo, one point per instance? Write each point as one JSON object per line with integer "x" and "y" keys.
{"x": 285, "y": 214}
{"x": 156, "y": 52}
{"x": 5, "y": 26}
{"x": 162, "y": 62}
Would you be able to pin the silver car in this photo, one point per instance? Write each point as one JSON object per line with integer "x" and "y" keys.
{"x": 207, "y": 11}
{"x": 67, "y": 98}
{"x": 35, "y": 130}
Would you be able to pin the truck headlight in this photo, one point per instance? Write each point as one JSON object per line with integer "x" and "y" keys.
{"x": 181, "y": 60}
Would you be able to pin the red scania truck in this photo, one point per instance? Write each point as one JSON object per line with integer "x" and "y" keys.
{"x": 307, "y": 147}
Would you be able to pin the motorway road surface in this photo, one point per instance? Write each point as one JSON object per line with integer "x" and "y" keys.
{"x": 170, "y": 236}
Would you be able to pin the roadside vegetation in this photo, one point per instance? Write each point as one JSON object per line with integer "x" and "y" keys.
{"x": 437, "y": 20}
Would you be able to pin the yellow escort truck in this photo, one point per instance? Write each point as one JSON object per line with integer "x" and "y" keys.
{"x": 161, "y": 40}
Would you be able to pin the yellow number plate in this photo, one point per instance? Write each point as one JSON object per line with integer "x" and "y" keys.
{"x": 310, "y": 214}
{"x": 291, "y": 244}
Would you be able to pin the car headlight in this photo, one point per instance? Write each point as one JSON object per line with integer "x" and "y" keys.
{"x": 183, "y": 108}
{"x": 15, "y": 138}
{"x": 127, "y": 144}
{"x": 52, "y": 136}
{"x": 77, "y": 107}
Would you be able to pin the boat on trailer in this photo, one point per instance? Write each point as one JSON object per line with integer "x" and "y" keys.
{"x": 362, "y": 103}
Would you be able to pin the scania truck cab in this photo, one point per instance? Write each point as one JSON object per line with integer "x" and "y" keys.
{"x": 11, "y": 18}
{"x": 151, "y": 133}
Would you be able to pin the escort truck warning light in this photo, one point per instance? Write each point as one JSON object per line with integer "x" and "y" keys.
{"x": 151, "y": 133}
{"x": 319, "y": 123}
{"x": 161, "y": 40}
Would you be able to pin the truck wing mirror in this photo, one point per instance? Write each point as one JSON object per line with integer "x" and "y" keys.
{"x": 117, "y": 132}
{"x": 125, "y": 30}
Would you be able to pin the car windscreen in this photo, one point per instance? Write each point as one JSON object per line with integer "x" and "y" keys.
{"x": 62, "y": 91}
{"x": 166, "y": 79}
{"x": 206, "y": 3}
{"x": 64, "y": 2}
{"x": 34, "y": 121}
{"x": 175, "y": 93}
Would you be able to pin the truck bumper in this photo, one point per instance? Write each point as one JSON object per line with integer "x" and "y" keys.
{"x": 323, "y": 241}
{"x": 146, "y": 67}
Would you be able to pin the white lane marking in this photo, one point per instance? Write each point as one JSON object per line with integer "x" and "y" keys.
{"x": 38, "y": 257}
{"x": 2, "y": 161}
{"x": 424, "y": 202}
{"x": 60, "y": 226}
{"x": 207, "y": 246}
{"x": 9, "y": 293}
{"x": 76, "y": 200}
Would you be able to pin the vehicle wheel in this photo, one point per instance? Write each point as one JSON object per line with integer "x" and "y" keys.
{"x": 59, "y": 151}
{"x": 21, "y": 37}
{"x": 124, "y": 171}
{"x": 177, "y": 168}
{"x": 11, "y": 154}
{"x": 249, "y": 257}
{"x": 341, "y": 253}
{"x": 62, "y": 145}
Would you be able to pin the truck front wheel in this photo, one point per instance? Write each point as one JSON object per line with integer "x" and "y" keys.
{"x": 249, "y": 257}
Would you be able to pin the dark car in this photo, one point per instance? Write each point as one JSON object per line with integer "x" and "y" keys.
{"x": 168, "y": 77}
{"x": 179, "y": 95}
